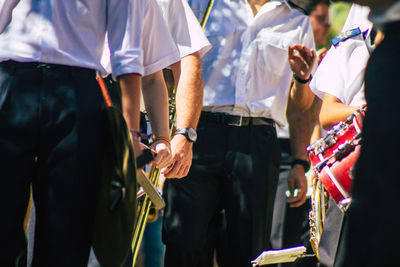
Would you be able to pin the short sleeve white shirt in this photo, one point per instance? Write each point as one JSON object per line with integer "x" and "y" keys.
{"x": 341, "y": 72}
{"x": 72, "y": 33}
{"x": 159, "y": 48}
{"x": 246, "y": 72}
{"x": 184, "y": 27}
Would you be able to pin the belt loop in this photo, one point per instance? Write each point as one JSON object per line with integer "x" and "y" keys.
{"x": 240, "y": 121}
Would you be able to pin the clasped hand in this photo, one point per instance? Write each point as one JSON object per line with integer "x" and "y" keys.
{"x": 163, "y": 155}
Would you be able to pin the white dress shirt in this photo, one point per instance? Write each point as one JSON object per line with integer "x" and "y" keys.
{"x": 159, "y": 48}
{"x": 341, "y": 72}
{"x": 184, "y": 27}
{"x": 72, "y": 33}
{"x": 247, "y": 71}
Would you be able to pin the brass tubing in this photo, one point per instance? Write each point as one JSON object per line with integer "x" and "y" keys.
{"x": 207, "y": 14}
{"x": 143, "y": 213}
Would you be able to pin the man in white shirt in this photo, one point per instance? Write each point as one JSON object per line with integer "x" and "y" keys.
{"x": 51, "y": 120}
{"x": 236, "y": 156}
{"x": 192, "y": 44}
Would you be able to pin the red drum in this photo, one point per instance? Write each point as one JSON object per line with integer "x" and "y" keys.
{"x": 334, "y": 156}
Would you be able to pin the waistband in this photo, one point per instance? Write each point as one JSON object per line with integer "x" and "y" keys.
{"x": 234, "y": 120}
{"x": 12, "y": 66}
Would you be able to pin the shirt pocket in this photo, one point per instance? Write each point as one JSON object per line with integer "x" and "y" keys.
{"x": 219, "y": 34}
{"x": 271, "y": 51}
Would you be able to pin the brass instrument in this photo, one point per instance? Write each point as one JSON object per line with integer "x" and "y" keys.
{"x": 145, "y": 204}
{"x": 319, "y": 206}
{"x": 207, "y": 14}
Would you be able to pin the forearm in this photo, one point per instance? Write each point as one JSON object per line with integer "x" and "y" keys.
{"x": 315, "y": 109}
{"x": 333, "y": 111}
{"x": 130, "y": 85}
{"x": 299, "y": 130}
{"x": 301, "y": 95}
{"x": 156, "y": 102}
{"x": 189, "y": 91}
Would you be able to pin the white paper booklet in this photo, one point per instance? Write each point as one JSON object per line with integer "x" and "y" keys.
{"x": 279, "y": 256}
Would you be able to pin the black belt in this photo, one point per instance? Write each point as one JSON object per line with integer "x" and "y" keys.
{"x": 233, "y": 120}
{"x": 12, "y": 66}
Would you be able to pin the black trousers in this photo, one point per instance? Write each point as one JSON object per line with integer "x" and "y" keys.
{"x": 51, "y": 138}
{"x": 235, "y": 169}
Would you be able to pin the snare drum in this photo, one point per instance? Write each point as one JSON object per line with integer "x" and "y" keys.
{"x": 334, "y": 156}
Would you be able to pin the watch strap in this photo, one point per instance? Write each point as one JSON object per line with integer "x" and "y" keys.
{"x": 303, "y": 163}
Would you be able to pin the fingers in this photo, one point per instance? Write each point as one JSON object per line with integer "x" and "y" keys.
{"x": 291, "y": 52}
{"x": 182, "y": 157}
{"x": 307, "y": 56}
{"x": 163, "y": 155}
{"x": 297, "y": 182}
{"x": 179, "y": 169}
{"x": 298, "y": 200}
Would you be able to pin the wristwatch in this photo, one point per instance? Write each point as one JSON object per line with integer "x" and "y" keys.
{"x": 303, "y": 163}
{"x": 189, "y": 133}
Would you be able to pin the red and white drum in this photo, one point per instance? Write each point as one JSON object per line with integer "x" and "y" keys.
{"x": 334, "y": 156}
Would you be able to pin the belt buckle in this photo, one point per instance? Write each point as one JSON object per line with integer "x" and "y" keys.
{"x": 238, "y": 124}
{"x": 43, "y": 66}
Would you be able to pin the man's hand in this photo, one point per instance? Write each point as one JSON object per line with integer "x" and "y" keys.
{"x": 301, "y": 60}
{"x": 297, "y": 180}
{"x": 182, "y": 155}
{"x": 163, "y": 156}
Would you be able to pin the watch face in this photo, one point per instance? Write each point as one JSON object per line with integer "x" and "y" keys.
{"x": 192, "y": 134}
{"x": 189, "y": 133}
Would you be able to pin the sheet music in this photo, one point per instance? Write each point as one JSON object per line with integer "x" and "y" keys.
{"x": 279, "y": 256}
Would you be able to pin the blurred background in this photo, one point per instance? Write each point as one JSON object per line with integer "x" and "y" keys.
{"x": 338, "y": 13}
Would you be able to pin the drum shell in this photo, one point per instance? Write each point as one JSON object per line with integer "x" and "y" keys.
{"x": 336, "y": 176}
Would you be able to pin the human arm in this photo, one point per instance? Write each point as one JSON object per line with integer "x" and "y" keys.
{"x": 299, "y": 131}
{"x": 334, "y": 111}
{"x": 301, "y": 62}
{"x": 314, "y": 110}
{"x": 189, "y": 99}
{"x": 156, "y": 102}
{"x": 130, "y": 85}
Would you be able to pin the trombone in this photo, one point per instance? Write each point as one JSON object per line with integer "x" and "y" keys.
{"x": 154, "y": 175}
